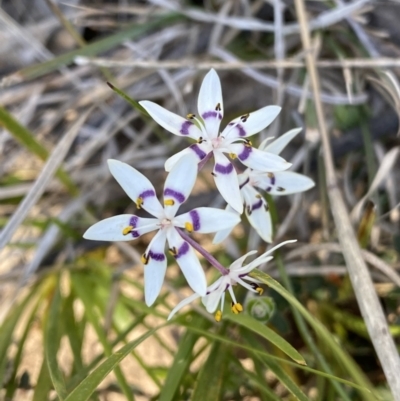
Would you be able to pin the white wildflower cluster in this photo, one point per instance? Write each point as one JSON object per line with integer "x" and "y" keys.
{"x": 266, "y": 171}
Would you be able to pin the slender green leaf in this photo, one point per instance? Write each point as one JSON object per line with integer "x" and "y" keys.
{"x": 83, "y": 391}
{"x": 270, "y": 335}
{"x": 80, "y": 286}
{"x": 325, "y": 336}
{"x": 44, "y": 384}
{"x": 211, "y": 377}
{"x": 24, "y": 136}
{"x": 134, "y": 103}
{"x": 8, "y": 327}
{"x": 52, "y": 338}
{"x": 286, "y": 380}
{"x": 97, "y": 47}
{"x": 182, "y": 361}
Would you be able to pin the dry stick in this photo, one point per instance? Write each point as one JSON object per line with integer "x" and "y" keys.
{"x": 367, "y": 298}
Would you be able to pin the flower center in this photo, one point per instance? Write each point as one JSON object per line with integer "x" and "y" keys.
{"x": 217, "y": 142}
{"x": 165, "y": 223}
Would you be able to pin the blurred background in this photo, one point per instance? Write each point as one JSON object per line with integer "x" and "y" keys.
{"x": 66, "y": 303}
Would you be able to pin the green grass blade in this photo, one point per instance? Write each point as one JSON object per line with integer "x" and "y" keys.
{"x": 44, "y": 384}
{"x": 134, "y": 103}
{"x": 80, "y": 286}
{"x": 52, "y": 338}
{"x": 250, "y": 323}
{"x": 326, "y": 337}
{"x": 95, "y": 48}
{"x": 182, "y": 361}
{"x": 287, "y": 381}
{"x": 211, "y": 377}
{"x": 26, "y": 138}
{"x": 84, "y": 390}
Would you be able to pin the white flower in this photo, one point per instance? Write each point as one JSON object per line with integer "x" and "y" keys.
{"x": 233, "y": 139}
{"x": 178, "y": 186}
{"x": 238, "y": 274}
{"x": 277, "y": 183}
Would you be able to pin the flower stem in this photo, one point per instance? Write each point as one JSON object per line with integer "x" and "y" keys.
{"x": 223, "y": 270}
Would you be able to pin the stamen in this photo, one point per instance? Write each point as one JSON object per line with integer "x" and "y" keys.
{"x": 257, "y": 288}
{"x": 233, "y": 156}
{"x": 213, "y": 174}
{"x": 266, "y": 207}
{"x": 200, "y": 140}
{"x": 189, "y": 227}
{"x": 258, "y": 196}
{"x": 145, "y": 259}
{"x": 173, "y": 251}
{"x": 139, "y": 202}
{"x": 270, "y": 175}
{"x": 127, "y": 230}
{"x": 218, "y": 316}
{"x": 191, "y": 116}
{"x": 218, "y": 107}
{"x": 247, "y": 142}
{"x": 245, "y": 117}
{"x": 280, "y": 189}
{"x": 236, "y": 308}
{"x": 169, "y": 202}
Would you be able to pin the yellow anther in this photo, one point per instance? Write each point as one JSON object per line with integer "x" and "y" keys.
{"x": 200, "y": 140}
{"x": 270, "y": 175}
{"x": 169, "y": 202}
{"x": 218, "y": 316}
{"x": 189, "y": 226}
{"x": 260, "y": 290}
{"x": 248, "y": 143}
{"x": 258, "y": 196}
{"x": 145, "y": 259}
{"x": 236, "y": 308}
{"x": 233, "y": 156}
{"x": 190, "y": 116}
{"x": 218, "y": 107}
{"x": 245, "y": 117}
{"x": 139, "y": 202}
{"x": 127, "y": 230}
{"x": 173, "y": 251}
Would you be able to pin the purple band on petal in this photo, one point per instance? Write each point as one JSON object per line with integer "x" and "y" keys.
{"x": 133, "y": 221}
{"x": 242, "y": 275}
{"x": 268, "y": 189}
{"x": 185, "y": 127}
{"x": 159, "y": 257}
{"x": 242, "y": 185}
{"x": 213, "y": 114}
{"x": 195, "y": 219}
{"x": 183, "y": 250}
{"x": 200, "y": 153}
{"x": 219, "y": 168}
{"x": 147, "y": 193}
{"x": 257, "y": 205}
{"x": 226, "y": 286}
{"x": 242, "y": 131}
{"x": 245, "y": 153}
{"x": 175, "y": 194}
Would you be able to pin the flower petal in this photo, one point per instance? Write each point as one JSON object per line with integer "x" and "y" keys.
{"x": 183, "y": 303}
{"x": 280, "y": 143}
{"x": 137, "y": 187}
{"x": 223, "y": 234}
{"x": 207, "y": 220}
{"x": 227, "y": 182}
{"x": 198, "y": 150}
{"x": 237, "y": 264}
{"x": 257, "y": 212}
{"x": 252, "y": 123}
{"x": 210, "y": 301}
{"x": 125, "y": 227}
{"x": 188, "y": 262}
{"x": 154, "y": 269}
{"x": 179, "y": 184}
{"x": 283, "y": 183}
{"x": 257, "y": 159}
{"x": 170, "y": 121}
{"x": 210, "y": 105}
